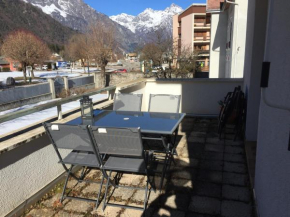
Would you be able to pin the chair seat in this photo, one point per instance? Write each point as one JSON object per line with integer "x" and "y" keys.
{"x": 82, "y": 158}
{"x": 134, "y": 165}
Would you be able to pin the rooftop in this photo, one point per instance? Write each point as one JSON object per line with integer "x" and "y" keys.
{"x": 210, "y": 178}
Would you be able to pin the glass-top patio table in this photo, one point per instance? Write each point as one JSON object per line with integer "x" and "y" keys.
{"x": 149, "y": 122}
{"x": 159, "y": 125}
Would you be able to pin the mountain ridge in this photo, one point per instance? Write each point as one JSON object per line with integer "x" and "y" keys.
{"x": 78, "y": 15}
{"x": 149, "y": 19}
{"x": 17, "y": 15}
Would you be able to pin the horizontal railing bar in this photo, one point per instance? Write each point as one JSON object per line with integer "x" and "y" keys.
{"x": 38, "y": 108}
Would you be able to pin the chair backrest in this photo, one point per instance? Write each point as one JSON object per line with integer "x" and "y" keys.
{"x": 69, "y": 137}
{"x": 127, "y": 102}
{"x": 164, "y": 103}
{"x": 118, "y": 141}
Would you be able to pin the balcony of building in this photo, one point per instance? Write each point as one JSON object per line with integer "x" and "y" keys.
{"x": 210, "y": 176}
{"x": 202, "y": 22}
{"x": 179, "y": 30}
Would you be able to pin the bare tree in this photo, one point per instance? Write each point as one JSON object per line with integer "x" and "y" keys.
{"x": 41, "y": 54}
{"x": 186, "y": 62}
{"x": 25, "y": 48}
{"x": 101, "y": 40}
{"x": 151, "y": 52}
{"x": 77, "y": 49}
{"x": 162, "y": 48}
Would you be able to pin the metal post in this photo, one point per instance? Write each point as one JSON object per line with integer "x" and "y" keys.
{"x": 111, "y": 94}
{"x": 59, "y": 112}
{"x": 52, "y": 88}
{"x": 97, "y": 80}
{"x": 65, "y": 81}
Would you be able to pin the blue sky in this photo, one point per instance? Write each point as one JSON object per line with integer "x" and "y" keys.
{"x": 134, "y": 7}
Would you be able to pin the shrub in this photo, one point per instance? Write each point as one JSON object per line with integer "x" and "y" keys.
{"x": 5, "y": 69}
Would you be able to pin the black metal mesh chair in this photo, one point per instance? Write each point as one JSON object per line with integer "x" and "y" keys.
{"x": 164, "y": 103}
{"x": 125, "y": 153}
{"x": 74, "y": 147}
{"x": 127, "y": 102}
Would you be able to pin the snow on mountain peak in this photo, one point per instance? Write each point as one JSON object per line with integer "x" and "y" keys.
{"x": 174, "y": 9}
{"x": 148, "y": 19}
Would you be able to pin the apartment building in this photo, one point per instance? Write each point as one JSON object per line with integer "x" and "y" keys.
{"x": 192, "y": 30}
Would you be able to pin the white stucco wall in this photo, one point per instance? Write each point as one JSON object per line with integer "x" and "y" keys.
{"x": 198, "y": 96}
{"x": 255, "y": 47}
{"x": 235, "y": 56}
{"x": 218, "y": 45}
{"x": 25, "y": 176}
{"x": 272, "y": 178}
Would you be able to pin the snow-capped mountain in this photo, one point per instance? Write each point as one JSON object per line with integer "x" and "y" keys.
{"x": 130, "y": 30}
{"x": 148, "y": 20}
{"x": 77, "y": 15}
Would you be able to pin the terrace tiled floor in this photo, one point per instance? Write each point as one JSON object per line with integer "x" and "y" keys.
{"x": 210, "y": 178}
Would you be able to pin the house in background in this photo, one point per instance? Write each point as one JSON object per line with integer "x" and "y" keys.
{"x": 4, "y": 64}
{"x": 7, "y": 63}
{"x": 191, "y": 28}
{"x": 132, "y": 57}
{"x": 228, "y": 31}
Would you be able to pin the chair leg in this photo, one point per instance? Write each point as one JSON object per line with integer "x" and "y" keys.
{"x": 106, "y": 191}
{"x": 83, "y": 173}
{"x": 65, "y": 184}
{"x": 146, "y": 194}
{"x": 100, "y": 190}
{"x": 163, "y": 172}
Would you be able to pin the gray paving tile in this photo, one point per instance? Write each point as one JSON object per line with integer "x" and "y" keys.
{"x": 210, "y": 176}
{"x": 195, "y": 147}
{"x": 207, "y": 155}
{"x": 234, "y": 143}
{"x": 214, "y": 148}
{"x": 211, "y": 165}
{"x": 67, "y": 214}
{"x": 207, "y": 189}
{"x": 235, "y": 167}
{"x": 168, "y": 213}
{"x": 229, "y": 135}
{"x": 176, "y": 201}
{"x": 238, "y": 158}
{"x": 184, "y": 173}
{"x": 41, "y": 212}
{"x": 180, "y": 185}
{"x": 205, "y": 205}
{"x": 214, "y": 140}
{"x": 234, "y": 150}
{"x": 192, "y": 214}
{"x": 200, "y": 129}
{"x": 77, "y": 206}
{"x": 186, "y": 162}
{"x": 198, "y": 134}
{"x": 236, "y": 193}
{"x": 235, "y": 179}
{"x": 191, "y": 151}
{"x": 212, "y": 134}
{"x": 196, "y": 139}
{"x": 235, "y": 209}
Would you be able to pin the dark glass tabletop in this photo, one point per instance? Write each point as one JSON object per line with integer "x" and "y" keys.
{"x": 149, "y": 122}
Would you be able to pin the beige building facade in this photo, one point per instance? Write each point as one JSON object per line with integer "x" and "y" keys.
{"x": 191, "y": 29}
